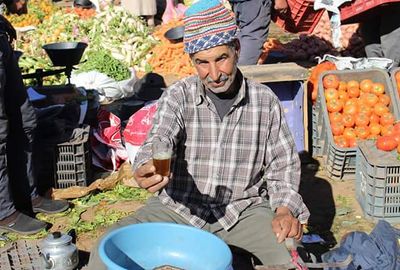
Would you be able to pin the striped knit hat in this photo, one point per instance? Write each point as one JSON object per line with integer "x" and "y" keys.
{"x": 208, "y": 23}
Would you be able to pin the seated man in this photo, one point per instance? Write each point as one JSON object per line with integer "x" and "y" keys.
{"x": 235, "y": 169}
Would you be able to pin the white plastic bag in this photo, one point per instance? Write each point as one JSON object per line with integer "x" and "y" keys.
{"x": 106, "y": 86}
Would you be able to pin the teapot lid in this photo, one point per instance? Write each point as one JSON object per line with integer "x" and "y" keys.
{"x": 56, "y": 239}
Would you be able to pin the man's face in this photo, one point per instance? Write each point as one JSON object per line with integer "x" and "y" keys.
{"x": 18, "y": 7}
{"x": 216, "y": 67}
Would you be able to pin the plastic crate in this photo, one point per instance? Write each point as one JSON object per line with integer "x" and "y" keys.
{"x": 291, "y": 96}
{"x": 303, "y": 17}
{"x": 355, "y": 11}
{"x": 21, "y": 254}
{"x": 378, "y": 182}
{"x": 340, "y": 163}
{"x": 73, "y": 160}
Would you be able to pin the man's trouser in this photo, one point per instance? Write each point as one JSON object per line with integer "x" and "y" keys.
{"x": 17, "y": 124}
{"x": 253, "y": 18}
{"x": 251, "y": 235}
{"x": 381, "y": 33}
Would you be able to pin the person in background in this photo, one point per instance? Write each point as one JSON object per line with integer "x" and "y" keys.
{"x": 145, "y": 8}
{"x": 235, "y": 170}
{"x": 17, "y": 124}
{"x": 253, "y": 18}
{"x": 381, "y": 33}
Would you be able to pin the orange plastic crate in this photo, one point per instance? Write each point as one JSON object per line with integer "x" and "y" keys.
{"x": 354, "y": 11}
{"x": 303, "y": 17}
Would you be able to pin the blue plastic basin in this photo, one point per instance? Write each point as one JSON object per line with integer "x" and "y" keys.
{"x": 151, "y": 245}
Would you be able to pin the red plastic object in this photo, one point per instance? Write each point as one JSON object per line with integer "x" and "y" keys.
{"x": 303, "y": 17}
{"x": 356, "y": 10}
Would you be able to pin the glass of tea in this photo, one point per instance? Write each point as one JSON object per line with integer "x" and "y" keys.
{"x": 162, "y": 153}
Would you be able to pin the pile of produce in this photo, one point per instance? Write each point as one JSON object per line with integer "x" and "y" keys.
{"x": 359, "y": 110}
{"x": 307, "y": 48}
{"x": 169, "y": 58}
{"x": 83, "y": 13}
{"x": 351, "y": 41}
{"x": 38, "y": 11}
{"x": 114, "y": 31}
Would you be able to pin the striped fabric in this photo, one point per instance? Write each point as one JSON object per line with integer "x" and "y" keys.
{"x": 208, "y": 23}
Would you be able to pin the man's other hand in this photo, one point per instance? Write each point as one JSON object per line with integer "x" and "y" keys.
{"x": 146, "y": 177}
{"x": 284, "y": 225}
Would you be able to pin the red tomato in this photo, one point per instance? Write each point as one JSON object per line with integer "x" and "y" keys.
{"x": 331, "y": 81}
{"x": 378, "y": 89}
{"x": 387, "y": 119}
{"x": 334, "y": 105}
{"x": 396, "y": 127}
{"x": 337, "y": 128}
{"x": 386, "y": 143}
{"x": 341, "y": 141}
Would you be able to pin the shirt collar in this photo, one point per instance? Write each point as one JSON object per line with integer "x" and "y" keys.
{"x": 201, "y": 94}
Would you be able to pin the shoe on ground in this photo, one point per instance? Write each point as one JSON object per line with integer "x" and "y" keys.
{"x": 48, "y": 206}
{"x": 22, "y": 224}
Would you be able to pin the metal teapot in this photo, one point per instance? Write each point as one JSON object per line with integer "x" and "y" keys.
{"x": 58, "y": 252}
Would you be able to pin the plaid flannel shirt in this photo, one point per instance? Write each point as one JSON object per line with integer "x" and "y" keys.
{"x": 219, "y": 167}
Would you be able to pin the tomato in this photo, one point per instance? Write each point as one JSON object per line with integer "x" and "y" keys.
{"x": 366, "y": 85}
{"x": 396, "y": 127}
{"x": 331, "y": 93}
{"x": 373, "y": 118}
{"x": 348, "y": 120}
{"x": 380, "y": 109}
{"x": 340, "y": 141}
{"x": 378, "y": 88}
{"x": 362, "y": 132}
{"x": 365, "y": 109}
{"x": 353, "y": 92}
{"x": 349, "y": 133}
{"x": 331, "y": 81}
{"x": 362, "y": 120}
{"x": 353, "y": 84}
{"x": 334, "y": 105}
{"x": 386, "y": 143}
{"x": 384, "y": 99}
{"x": 369, "y": 99}
{"x": 387, "y": 130}
{"x": 350, "y": 108}
{"x": 398, "y": 146}
{"x": 374, "y": 129}
{"x": 335, "y": 117}
{"x": 396, "y": 136}
{"x": 387, "y": 119}
{"x": 351, "y": 142}
{"x": 342, "y": 94}
{"x": 337, "y": 128}
{"x": 342, "y": 86}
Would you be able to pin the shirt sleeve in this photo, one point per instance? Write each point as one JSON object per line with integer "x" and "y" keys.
{"x": 282, "y": 167}
{"x": 167, "y": 122}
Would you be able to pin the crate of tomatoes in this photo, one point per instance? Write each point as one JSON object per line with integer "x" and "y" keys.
{"x": 378, "y": 177}
{"x": 354, "y": 105}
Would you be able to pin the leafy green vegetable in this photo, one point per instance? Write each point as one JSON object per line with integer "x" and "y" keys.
{"x": 103, "y": 62}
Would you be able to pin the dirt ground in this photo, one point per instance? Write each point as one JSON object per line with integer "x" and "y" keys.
{"x": 334, "y": 209}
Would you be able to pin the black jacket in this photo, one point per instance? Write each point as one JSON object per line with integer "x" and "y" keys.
{"x": 6, "y": 2}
